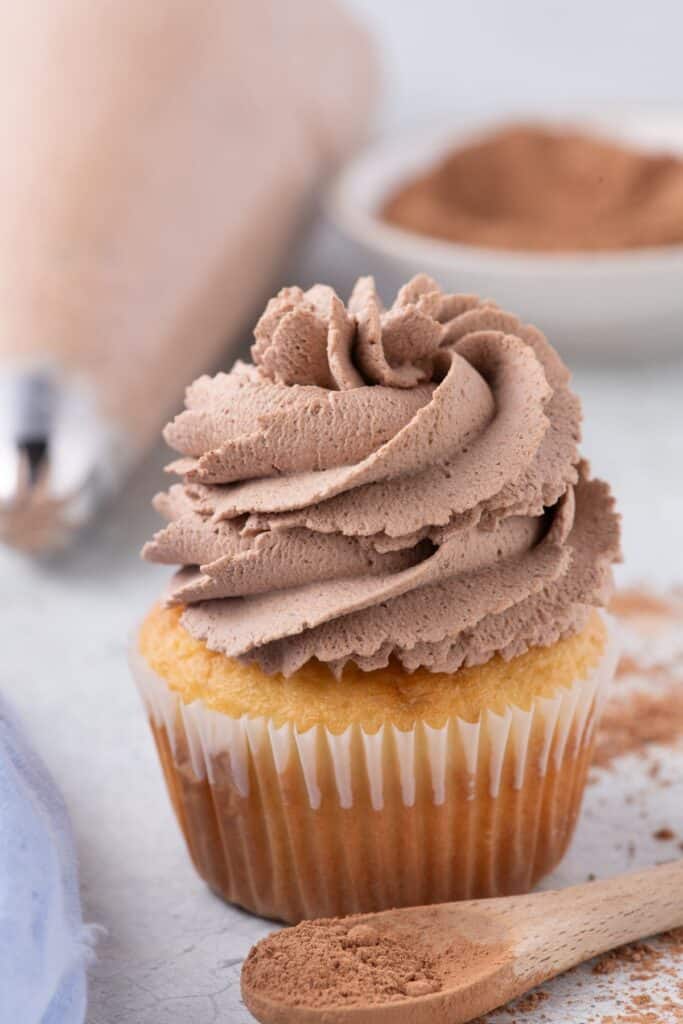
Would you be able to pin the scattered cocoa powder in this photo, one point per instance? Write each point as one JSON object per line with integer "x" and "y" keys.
{"x": 652, "y": 712}
{"x": 673, "y": 940}
{"x": 648, "y": 962}
{"x": 629, "y": 725}
{"x": 664, "y": 834}
{"x": 527, "y": 1003}
{"x": 327, "y": 963}
{"x": 641, "y": 953}
{"x": 527, "y": 187}
{"x": 635, "y": 602}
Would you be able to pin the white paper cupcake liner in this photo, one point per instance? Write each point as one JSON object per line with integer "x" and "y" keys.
{"x": 498, "y": 798}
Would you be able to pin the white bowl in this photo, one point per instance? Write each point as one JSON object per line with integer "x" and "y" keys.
{"x": 628, "y": 302}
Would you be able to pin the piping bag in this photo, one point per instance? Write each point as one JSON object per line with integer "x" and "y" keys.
{"x": 157, "y": 159}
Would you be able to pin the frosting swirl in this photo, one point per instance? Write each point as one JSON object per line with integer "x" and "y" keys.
{"x": 385, "y": 483}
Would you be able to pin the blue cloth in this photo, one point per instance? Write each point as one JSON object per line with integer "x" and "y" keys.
{"x": 44, "y": 946}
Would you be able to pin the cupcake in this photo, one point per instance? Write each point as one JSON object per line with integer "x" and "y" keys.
{"x": 375, "y": 679}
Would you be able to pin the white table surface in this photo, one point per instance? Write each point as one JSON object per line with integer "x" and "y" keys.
{"x": 172, "y": 951}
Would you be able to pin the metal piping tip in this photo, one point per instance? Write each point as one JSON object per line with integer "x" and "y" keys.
{"x": 58, "y": 458}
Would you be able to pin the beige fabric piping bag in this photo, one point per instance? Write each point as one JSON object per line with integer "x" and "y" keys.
{"x": 157, "y": 158}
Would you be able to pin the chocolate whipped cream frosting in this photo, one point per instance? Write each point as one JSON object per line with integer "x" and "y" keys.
{"x": 379, "y": 484}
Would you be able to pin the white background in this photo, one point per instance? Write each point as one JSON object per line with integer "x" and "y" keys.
{"x": 442, "y": 55}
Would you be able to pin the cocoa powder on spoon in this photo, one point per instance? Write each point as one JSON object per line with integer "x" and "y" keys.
{"x": 324, "y": 962}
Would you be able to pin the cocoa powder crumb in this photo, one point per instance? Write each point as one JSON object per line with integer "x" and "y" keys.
{"x": 421, "y": 987}
{"x": 673, "y": 940}
{"x": 664, "y": 834}
{"x": 528, "y": 1003}
{"x": 361, "y": 935}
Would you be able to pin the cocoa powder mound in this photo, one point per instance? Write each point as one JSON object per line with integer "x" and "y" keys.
{"x": 330, "y": 963}
{"x": 525, "y": 187}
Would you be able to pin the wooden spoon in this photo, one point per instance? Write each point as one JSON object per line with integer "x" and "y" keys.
{"x": 484, "y": 952}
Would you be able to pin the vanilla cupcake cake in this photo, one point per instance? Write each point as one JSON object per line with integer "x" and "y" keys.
{"x": 374, "y": 680}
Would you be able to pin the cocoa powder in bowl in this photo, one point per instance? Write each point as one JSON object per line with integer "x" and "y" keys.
{"x": 528, "y": 188}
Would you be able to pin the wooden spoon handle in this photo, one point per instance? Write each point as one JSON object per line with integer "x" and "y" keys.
{"x": 585, "y": 920}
